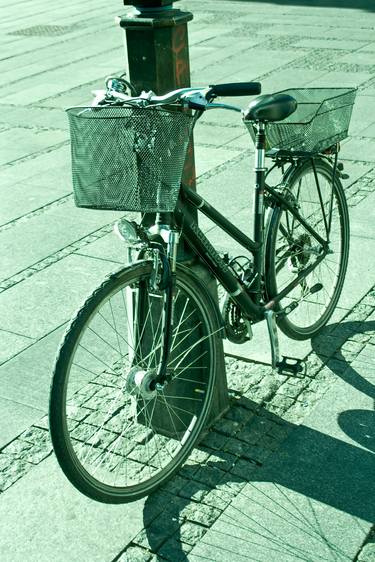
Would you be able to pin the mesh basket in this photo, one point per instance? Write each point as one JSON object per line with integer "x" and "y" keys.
{"x": 126, "y": 158}
{"x": 321, "y": 119}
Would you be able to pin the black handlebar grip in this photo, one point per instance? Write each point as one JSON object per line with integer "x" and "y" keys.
{"x": 237, "y": 89}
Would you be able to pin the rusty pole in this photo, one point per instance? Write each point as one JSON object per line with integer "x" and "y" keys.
{"x": 156, "y": 42}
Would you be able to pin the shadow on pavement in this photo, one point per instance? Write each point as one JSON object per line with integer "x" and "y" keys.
{"x": 366, "y": 5}
{"x": 337, "y": 335}
{"x": 309, "y": 467}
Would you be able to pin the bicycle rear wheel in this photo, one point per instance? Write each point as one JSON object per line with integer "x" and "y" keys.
{"x": 116, "y": 435}
{"x": 290, "y": 248}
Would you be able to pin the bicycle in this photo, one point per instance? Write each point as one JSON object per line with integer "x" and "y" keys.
{"x": 134, "y": 378}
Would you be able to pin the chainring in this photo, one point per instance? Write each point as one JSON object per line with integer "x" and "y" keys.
{"x": 235, "y": 326}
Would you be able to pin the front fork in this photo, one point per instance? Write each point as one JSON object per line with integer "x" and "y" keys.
{"x": 161, "y": 241}
{"x": 172, "y": 238}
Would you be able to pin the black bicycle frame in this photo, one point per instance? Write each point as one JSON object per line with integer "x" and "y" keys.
{"x": 249, "y": 300}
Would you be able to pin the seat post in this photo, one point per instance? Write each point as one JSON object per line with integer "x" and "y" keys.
{"x": 260, "y": 174}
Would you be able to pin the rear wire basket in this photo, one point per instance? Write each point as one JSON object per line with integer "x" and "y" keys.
{"x": 126, "y": 158}
{"x": 321, "y": 120}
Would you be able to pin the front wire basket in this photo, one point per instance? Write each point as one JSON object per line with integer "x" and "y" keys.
{"x": 321, "y": 120}
{"x": 127, "y": 158}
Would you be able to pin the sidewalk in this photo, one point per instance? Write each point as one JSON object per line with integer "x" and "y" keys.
{"x": 288, "y": 473}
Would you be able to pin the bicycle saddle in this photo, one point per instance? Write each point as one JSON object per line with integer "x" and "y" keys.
{"x": 270, "y": 107}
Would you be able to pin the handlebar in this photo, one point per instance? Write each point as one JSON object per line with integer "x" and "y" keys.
{"x": 193, "y": 98}
{"x": 237, "y": 89}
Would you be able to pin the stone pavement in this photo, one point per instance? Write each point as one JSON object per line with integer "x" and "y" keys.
{"x": 287, "y": 474}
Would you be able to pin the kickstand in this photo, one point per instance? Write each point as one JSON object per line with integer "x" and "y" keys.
{"x": 274, "y": 339}
{"x": 286, "y": 365}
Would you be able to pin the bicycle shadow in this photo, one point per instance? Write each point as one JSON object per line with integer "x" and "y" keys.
{"x": 337, "y": 335}
{"x": 277, "y": 509}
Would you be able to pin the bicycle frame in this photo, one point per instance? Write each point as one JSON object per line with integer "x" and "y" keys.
{"x": 248, "y": 299}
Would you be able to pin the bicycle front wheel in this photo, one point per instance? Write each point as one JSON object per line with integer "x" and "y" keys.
{"x": 116, "y": 434}
{"x": 290, "y": 248}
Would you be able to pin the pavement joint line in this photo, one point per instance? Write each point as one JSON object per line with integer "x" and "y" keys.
{"x": 100, "y": 258}
{"x": 86, "y": 85}
{"x": 56, "y": 256}
{"x": 35, "y": 212}
{"x": 30, "y": 127}
{"x": 35, "y": 155}
{"x": 35, "y": 342}
{"x": 222, "y": 167}
{"x": 16, "y": 333}
{"x": 59, "y": 67}
{"x": 101, "y": 27}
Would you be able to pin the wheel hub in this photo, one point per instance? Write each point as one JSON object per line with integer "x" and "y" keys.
{"x": 301, "y": 248}
{"x": 141, "y": 383}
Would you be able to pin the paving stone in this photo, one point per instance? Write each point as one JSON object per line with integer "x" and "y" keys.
{"x": 191, "y": 533}
{"x": 163, "y": 527}
{"x": 135, "y": 554}
{"x": 200, "y": 513}
{"x": 218, "y": 498}
{"x": 195, "y": 490}
{"x": 214, "y": 440}
{"x": 330, "y": 466}
{"x": 64, "y": 223}
{"x": 12, "y": 344}
{"x": 227, "y": 427}
{"x": 208, "y": 475}
{"x": 26, "y": 141}
{"x": 256, "y": 453}
{"x": 221, "y": 460}
{"x": 14, "y": 418}
{"x": 174, "y": 485}
{"x": 235, "y": 447}
{"x": 289, "y": 390}
{"x": 75, "y": 276}
{"x": 279, "y": 404}
{"x": 188, "y": 469}
{"x": 199, "y": 455}
{"x": 13, "y": 472}
{"x": 298, "y": 411}
{"x": 18, "y": 448}
{"x": 244, "y": 469}
{"x": 174, "y": 551}
{"x": 239, "y": 415}
{"x": 367, "y": 553}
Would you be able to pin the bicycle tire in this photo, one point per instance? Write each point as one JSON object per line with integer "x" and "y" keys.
{"x": 312, "y": 314}
{"x": 115, "y": 436}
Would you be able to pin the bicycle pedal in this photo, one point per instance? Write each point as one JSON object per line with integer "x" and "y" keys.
{"x": 291, "y": 366}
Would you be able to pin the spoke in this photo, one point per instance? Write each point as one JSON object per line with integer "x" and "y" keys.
{"x": 105, "y": 341}
{"x": 202, "y": 339}
{"x": 169, "y": 413}
{"x": 182, "y": 398}
{"x": 110, "y": 325}
{"x": 116, "y": 330}
{"x": 182, "y": 410}
{"x": 183, "y": 369}
{"x": 89, "y": 371}
{"x": 142, "y": 333}
{"x": 97, "y": 358}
